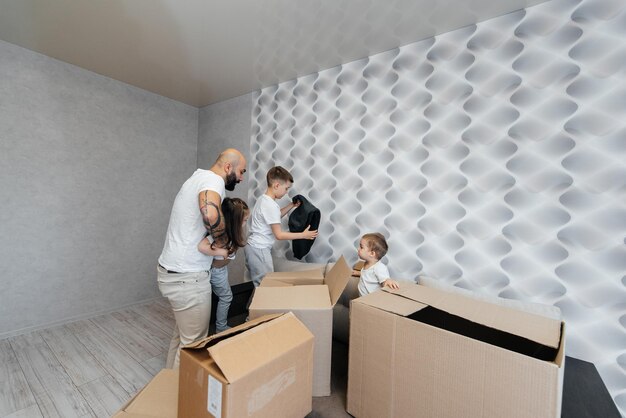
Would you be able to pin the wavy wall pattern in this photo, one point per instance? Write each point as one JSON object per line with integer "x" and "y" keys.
{"x": 492, "y": 157}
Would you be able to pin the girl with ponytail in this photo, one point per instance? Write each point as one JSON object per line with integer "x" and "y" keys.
{"x": 236, "y": 213}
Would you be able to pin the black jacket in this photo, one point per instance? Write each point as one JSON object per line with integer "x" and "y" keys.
{"x": 304, "y": 215}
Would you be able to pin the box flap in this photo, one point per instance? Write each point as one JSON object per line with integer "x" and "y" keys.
{"x": 274, "y": 283}
{"x": 245, "y": 352}
{"x": 159, "y": 398}
{"x": 294, "y": 281}
{"x": 235, "y": 330}
{"x": 536, "y": 328}
{"x": 312, "y": 273}
{"x": 291, "y": 298}
{"x": 337, "y": 279}
{"x": 388, "y": 302}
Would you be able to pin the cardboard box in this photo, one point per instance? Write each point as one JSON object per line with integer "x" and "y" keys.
{"x": 424, "y": 352}
{"x": 158, "y": 399}
{"x": 313, "y": 305}
{"x": 262, "y": 368}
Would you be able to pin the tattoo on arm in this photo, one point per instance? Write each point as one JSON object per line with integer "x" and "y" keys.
{"x": 206, "y": 205}
{"x": 216, "y": 230}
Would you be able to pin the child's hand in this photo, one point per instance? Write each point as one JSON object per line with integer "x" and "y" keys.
{"x": 220, "y": 263}
{"x": 392, "y": 284}
{"x": 308, "y": 234}
{"x": 356, "y": 273}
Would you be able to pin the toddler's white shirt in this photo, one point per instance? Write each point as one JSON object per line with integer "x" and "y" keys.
{"x": 372, "y": 278}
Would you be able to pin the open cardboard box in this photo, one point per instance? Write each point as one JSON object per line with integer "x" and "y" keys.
{"x": 420, "y": 351}
{"x": 313, "y": 305}
{"x": 158, "y": 399}
{"x": 262, "y": 368}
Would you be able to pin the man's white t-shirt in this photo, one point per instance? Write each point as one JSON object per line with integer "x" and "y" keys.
{"x": 372, "y": 278}
{"x": 265, "y": 213}
{"x": 186, "y": 228}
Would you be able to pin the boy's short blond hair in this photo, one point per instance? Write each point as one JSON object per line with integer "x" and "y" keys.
{"x": 278, "y": 174}
{"x": 377, "y": 243}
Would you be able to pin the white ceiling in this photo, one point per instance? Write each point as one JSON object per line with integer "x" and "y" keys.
{"x": 204, "y": 51}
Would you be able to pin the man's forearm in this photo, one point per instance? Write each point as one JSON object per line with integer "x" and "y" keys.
{"x": 218, "y": 232}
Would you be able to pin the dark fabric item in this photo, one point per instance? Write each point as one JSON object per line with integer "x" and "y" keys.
{"x": 304, "y": 215}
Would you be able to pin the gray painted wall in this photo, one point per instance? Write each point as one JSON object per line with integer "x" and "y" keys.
{"x": 89, "y": 168}
{"x": 220, "y": 126}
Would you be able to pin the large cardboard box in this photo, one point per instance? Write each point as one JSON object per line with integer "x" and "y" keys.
{"x": 158, "y": 399}
{"x": 262, "y": 368}
{"x": 313, "y": 305}
{"x": 424, "y": 352}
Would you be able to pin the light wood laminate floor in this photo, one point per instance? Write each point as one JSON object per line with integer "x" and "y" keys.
{"x": 90, "y": 368}
{"x": 87, "y": 368}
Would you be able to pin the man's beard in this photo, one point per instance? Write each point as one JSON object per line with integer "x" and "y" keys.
{"x": 231, "y": 181}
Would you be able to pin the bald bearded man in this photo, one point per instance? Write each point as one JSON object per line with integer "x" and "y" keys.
{"x": 184, "y": 272}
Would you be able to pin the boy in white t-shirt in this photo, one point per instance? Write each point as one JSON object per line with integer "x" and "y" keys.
{"x": 374, "y": 274}
{"x": 265, "y": 226}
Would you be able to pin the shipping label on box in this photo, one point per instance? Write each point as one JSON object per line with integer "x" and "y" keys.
{"x": 262, "y": 368}
{"x": 420, "y": 351}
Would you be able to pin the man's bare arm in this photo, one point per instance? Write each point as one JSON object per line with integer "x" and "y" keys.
{"x": 211, "y": 210}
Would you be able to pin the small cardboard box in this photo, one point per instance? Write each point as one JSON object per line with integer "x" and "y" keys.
{"x": 313, "y": 305}
{"x": 158, "y": 399}
{"x": 420, "y": 351}
{"x": 262, "y": 368}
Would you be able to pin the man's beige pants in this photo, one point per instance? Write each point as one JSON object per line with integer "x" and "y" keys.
{"x": 189, "y": 295}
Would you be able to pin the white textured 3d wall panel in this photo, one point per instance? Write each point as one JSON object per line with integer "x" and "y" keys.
{"x": 492, "y": 158}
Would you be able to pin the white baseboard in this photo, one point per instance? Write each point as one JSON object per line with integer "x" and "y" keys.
{"x": 27, "y": 330}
